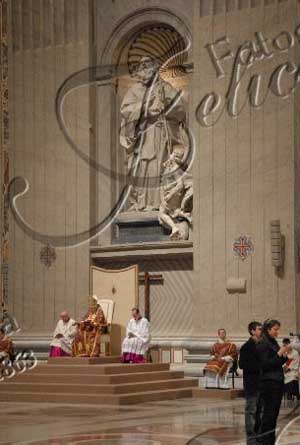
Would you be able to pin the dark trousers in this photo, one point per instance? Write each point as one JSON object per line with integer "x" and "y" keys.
{"x": 252, "y": 417}
{"x": 271, "y": 394}
{"x": 291, "y": 389}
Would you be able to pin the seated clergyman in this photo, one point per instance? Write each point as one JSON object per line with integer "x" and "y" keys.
{"x": 6, "y": 345}
{"x": 9, "y": 323}
{"x": 87, "y": 339}
{"x": 61, "y": 345}
{"x": 223, "y": 354}
{"x": 137, "y": 339}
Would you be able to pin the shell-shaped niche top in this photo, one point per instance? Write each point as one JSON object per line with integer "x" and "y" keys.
{"x": 163, "y": 44}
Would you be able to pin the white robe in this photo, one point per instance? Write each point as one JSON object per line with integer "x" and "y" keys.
{"x": 295, "y": 343}
{"x": 293, "y": 367}
{"x": 140, "y": 343}
{"x": 68, "y": 331}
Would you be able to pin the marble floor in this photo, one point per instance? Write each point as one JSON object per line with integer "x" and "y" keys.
{"x": 177, "y": 422}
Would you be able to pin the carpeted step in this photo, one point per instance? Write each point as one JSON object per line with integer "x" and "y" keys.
{"x": 100, "y": 369}
{"x": 102, "y": 360}
{"x": 134, "y": 398}
{"x": 155, "y": 396}
{"x": 98, "y": 379}
{"x": 107, "y": 383}
{"x": 127, "y": 388}
{"x": 221, "y": 394}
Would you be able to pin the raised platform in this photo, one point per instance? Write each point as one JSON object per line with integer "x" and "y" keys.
{"x": 84, "y": 380}
{"x": 84, "y": 360}
{"x": 222, "y": 394}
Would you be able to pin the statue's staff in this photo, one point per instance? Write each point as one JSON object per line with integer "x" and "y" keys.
{"x": 163, "y": 115}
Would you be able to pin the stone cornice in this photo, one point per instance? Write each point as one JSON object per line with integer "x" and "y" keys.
{"x": 124, "y": 251}
{"x": 215, "y": 7}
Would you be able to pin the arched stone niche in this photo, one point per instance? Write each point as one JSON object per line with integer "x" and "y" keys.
{"x": 128, "y": 33}
{"x": 128, "y": 27}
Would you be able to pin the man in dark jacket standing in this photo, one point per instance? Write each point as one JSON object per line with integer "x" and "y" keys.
{"x": 271, "y": 359}
{"x": 249, "y": 363}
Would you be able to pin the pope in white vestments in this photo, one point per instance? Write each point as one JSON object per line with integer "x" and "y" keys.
{"x": 136, "y": 342}
{"x": 63, "y": 336}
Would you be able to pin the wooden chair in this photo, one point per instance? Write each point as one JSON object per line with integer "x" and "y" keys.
{"x": 108, "y": 307}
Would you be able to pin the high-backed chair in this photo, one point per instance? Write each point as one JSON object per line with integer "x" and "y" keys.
{"x": 107, "y": 307}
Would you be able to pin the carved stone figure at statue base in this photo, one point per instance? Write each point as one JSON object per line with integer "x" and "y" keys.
{"x": 175, "y": 211}
{"x": 181, "y": 231}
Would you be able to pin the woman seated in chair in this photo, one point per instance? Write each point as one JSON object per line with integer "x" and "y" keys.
{"x": 87, "y": 338}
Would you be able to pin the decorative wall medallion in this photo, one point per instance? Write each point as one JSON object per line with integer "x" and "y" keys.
{"x": 243, "y": 246}
{"x": 47, "y": 255}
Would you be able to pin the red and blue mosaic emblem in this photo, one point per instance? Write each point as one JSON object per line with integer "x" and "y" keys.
{"x": 243, "y": 246}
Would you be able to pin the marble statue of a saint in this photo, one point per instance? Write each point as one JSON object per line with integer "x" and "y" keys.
{"x": 153, "y": 118}
{"x": 175, "y": 212}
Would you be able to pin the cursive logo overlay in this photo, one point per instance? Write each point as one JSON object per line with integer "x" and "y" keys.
{"x": 23, "y": 361}
{"x": 282, "y": 82}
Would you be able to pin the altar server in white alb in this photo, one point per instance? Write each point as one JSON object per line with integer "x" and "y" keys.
{"x": 63, "y": 336}
{"x": 136, "y": 342}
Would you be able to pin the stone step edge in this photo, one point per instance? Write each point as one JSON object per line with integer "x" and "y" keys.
{"x": 96, "y": 396}
{"x": 172, "y": 371}
{"x": 102, "y": 360}
{"x": 102, "y": 370}
{"x": 87, "y": 385}
{"x": 105, "y": 366}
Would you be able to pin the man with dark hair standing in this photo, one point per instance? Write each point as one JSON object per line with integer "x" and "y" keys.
{"x": 249, "y": 363}
{"x": 271, "y": 358}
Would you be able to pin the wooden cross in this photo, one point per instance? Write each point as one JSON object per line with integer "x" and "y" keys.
{"x": 146, "y": 278}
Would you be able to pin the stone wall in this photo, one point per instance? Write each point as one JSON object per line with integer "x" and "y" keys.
{"x": 50, "y": 40}
{"x": 4, "y": 151}
{"x": 171, "y": 299}
{"x": 245, "y": 173}
{"x": 296, "y": 123}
